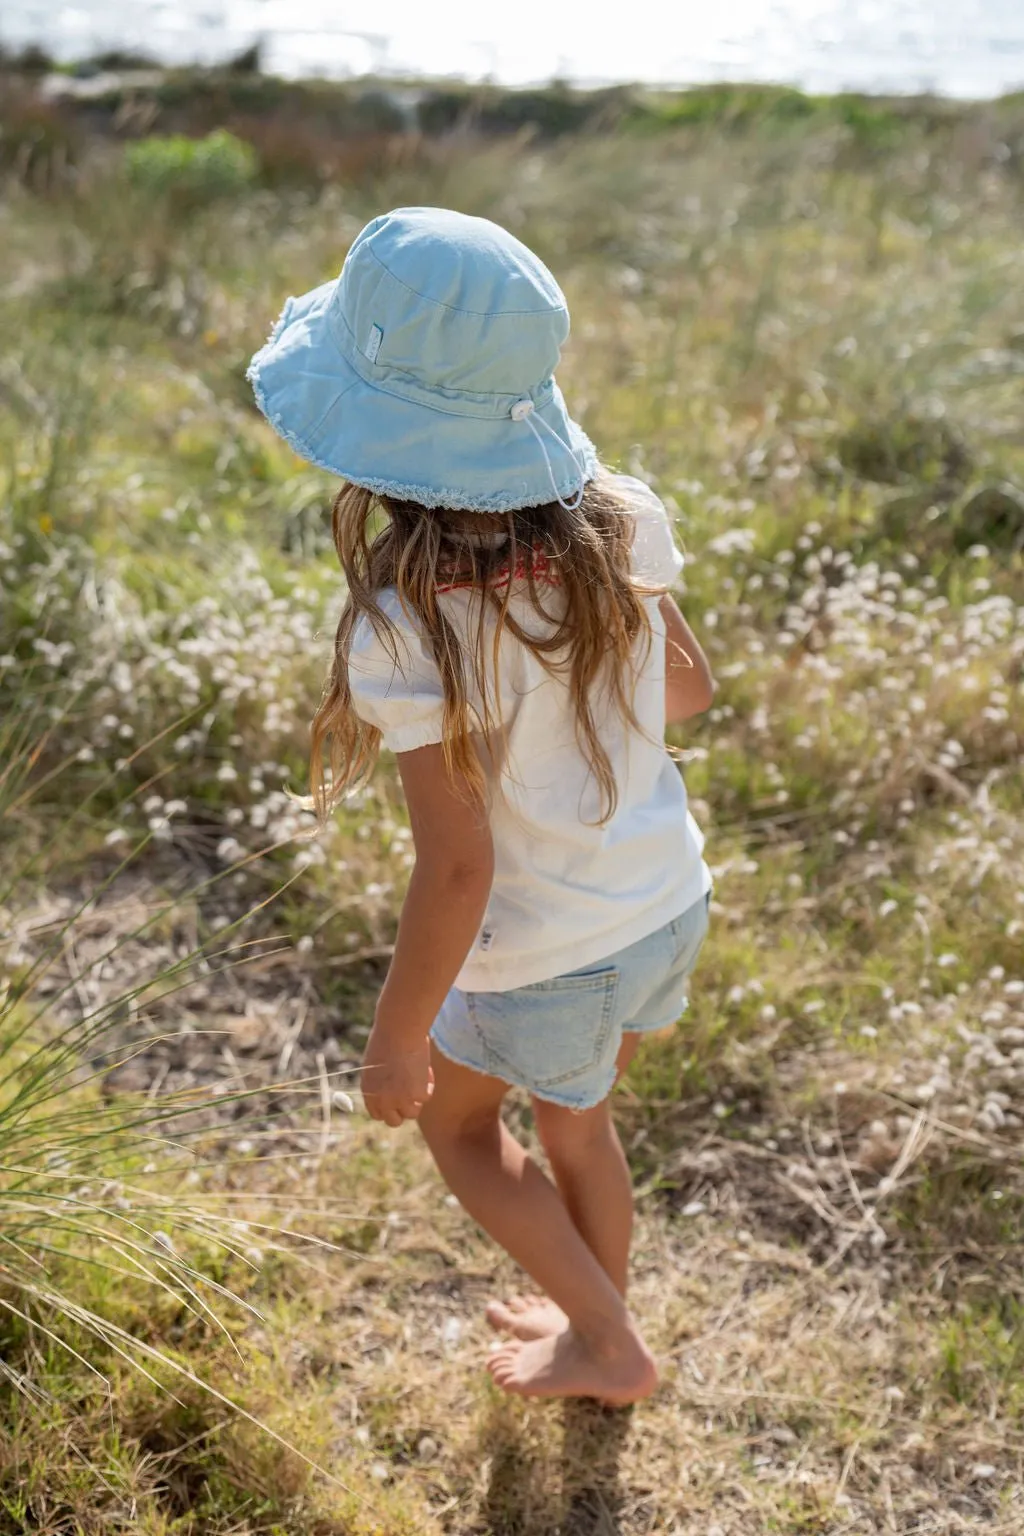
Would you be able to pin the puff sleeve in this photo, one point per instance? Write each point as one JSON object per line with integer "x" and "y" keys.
{"x": 655, "y": 556}
{"x": 402, "y": 696}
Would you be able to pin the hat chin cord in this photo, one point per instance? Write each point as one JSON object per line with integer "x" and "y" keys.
{"x": 523, "y": 410}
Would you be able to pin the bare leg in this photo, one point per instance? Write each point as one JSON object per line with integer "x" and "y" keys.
{"x": 600, "y": 1354}
{"x": 593, "y": 1179}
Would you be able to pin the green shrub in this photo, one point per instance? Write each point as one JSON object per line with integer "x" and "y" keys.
{"x": 198, "y": 170}
{"x": 733, "y": 106}
{"x": 895, "y": 449}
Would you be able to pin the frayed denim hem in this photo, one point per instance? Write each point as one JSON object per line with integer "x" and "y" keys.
{"x": 549, "y": 1097}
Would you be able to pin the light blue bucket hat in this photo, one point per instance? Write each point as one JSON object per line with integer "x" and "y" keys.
{"x": 425, "y": 371}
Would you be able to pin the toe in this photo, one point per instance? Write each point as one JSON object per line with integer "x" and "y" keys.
{"x": 506, "y": 1378}
{"x": 498, "y": 1314}
{"x": 500, "y": 1368}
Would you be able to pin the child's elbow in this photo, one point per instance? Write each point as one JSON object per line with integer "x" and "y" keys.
{"x": 461, "y": 871}
{"x": 704, "y": 694}
{"x": 471, "y": 874}
{"x": 694, "y": 698}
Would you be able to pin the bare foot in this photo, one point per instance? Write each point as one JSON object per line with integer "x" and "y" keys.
{"x": 565, "y": 1365}
{"x": 527, "y": 1317}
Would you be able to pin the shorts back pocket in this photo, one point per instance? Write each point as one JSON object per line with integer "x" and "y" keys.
{"x": 547, "y": 1033}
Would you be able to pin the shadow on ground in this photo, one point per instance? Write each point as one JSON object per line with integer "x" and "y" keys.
{"x": 523, "y": 1500}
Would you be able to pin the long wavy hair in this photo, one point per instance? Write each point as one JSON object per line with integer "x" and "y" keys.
{"x": 575, "y": 567}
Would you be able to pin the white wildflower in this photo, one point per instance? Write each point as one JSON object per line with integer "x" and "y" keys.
{"x": 734, "y": 541}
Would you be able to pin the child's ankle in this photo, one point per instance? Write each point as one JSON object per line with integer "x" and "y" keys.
{"x": 607, "y": 1338}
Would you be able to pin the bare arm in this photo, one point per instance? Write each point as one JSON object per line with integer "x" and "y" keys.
{"x": 689, "y": 686}
{"x": 440, "y": 920}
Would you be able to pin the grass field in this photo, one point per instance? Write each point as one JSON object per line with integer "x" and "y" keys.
{"x": 806, "y": 329}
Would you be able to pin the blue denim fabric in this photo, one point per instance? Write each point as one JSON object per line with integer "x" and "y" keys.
{"x": 559, "y": 1039}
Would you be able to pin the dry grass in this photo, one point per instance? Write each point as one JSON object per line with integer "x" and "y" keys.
{"x": 810, "y": 340}
{"x": 796, "y": 1395}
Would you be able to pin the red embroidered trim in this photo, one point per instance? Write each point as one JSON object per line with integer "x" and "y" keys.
{"x": 544, "y": 571}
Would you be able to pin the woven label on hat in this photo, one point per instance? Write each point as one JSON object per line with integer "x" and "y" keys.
{"x": 373, "y": 345}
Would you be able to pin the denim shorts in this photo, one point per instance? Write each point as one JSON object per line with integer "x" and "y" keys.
{"x": 559, "y": 1039}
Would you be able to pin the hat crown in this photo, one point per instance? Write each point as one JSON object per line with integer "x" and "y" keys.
{"x": 452, "y": 302}
{"x": 425, "y": 371}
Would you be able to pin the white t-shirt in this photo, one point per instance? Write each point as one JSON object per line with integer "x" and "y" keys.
{"x": 567, "y": 891}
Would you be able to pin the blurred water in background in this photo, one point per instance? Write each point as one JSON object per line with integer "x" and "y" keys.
{"x": 955, "y": 47}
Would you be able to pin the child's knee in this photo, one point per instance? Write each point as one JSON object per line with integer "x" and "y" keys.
{"x": 567, "y": 1134}
{"x": 446, "y": 1125}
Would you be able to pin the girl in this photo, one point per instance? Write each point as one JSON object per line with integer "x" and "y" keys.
{"x": 508, "y": 635}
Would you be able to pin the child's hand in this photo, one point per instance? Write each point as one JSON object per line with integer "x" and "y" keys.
{"x": 397, "y": 1080}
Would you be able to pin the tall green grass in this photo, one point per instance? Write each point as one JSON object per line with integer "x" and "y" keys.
{"x": 94, "y": 1200}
